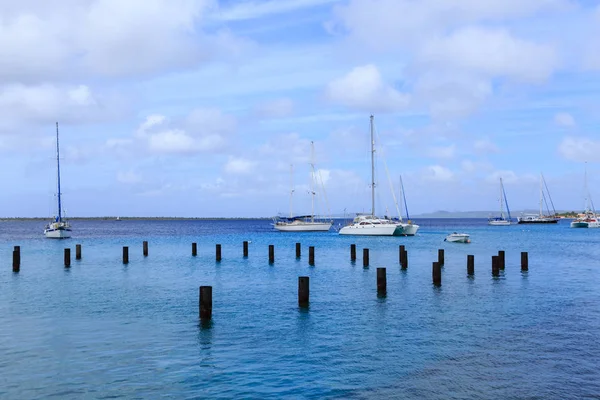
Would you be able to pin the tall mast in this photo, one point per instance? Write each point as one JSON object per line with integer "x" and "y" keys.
{"x": 291, "y": 188}
{"x": 372, "y": 170}
{"x": 501, "y": 200}
{"x": 312, "y": 180}
{"x": 58, "y": 174}
{"x": 541, "y": 195}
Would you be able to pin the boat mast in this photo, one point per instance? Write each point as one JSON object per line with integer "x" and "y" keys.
{"x": 404, "y": 198}
{"x": 541, "y": 195}
{"x": 312, "y": 181}
{"x": 372, "y": 170}
{"x": 501, "y": 200}
{"x": 58, "y": 175}
{"x": 291, "y": 188}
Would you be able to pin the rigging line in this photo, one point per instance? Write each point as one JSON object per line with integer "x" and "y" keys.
{"x": 387, "y": 172}
{"x": 549, "y": 196}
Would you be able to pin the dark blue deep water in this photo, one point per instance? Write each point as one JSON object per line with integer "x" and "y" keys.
{"x": 105, "y": 330}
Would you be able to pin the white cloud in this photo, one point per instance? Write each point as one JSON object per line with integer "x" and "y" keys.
{"x": 277, "y": 108}
{"x": 471, "y": 167}
{"x": 443, "y": 152}
{"x": 485, "y": 146}
{"x": 438, "y": 173}
{"x": 363, "y": 88}
{"x": 128, "y": 177}
{"x": 564, "y": 119}
{"x": 579, "y": 149}
{"x": 239, "y": 166}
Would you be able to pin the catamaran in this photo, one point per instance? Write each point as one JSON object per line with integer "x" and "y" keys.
{"x": 304, "y": 223}
{"x": 370, "y": 224}
{"x": 589, "y": 219}
{"x": 549, "y": 218}
{"x": 501, "y": 220}
{"x": 59, "y": 228}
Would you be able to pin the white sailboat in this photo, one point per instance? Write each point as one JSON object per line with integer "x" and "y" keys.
{"x": 59, "y": 228}
{"x": 369, "y": 224}
{"x": 405, "y": 228}
{"x": 501, "y": 220}
{"x": 304, "y": 223}
{"x": 589, "y": 219}
{"x": 540, "y": 218}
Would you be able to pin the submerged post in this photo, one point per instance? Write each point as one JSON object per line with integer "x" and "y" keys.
{"x": 381, "y": 281}
{"x": 495, "y": 266}
{"x": 245, "y": 248}
{"x": 145, "y": 248}
{"x": 194, "y": 249}
{"x": 78, "y": 252}
{"x": 67, "y": 258}
{"x": 298, "y": 250}
{"x": 125, "y": 255}
{"x": 16, "y": 263}
{"x": 441, "y": 256}
{"x": 470, "y": 264}
{"x": 401, "y": 254}
{"x": 352, "y": 252}
{"x": 405, "y": 259}
{"x": 218, "y": 253}
{"x": 365, "y": 258}
{"x": 311, "y": 255}
{"x": 271, "y": 254}
{"x": 436, "y": 273}
{"x": 205, "y": 302}
{"x": 303, "y": 291}
{"x": 524, "y": 261}
{"x": 501, "y": 259}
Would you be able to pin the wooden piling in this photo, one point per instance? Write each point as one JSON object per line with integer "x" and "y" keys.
{"x": 401, "y": 249}
{"x": 67, "y": 258}
{"x": 303, "y": 291}
{"x": 470, "y": 264}
{"x": 218, "y": 253}
{"x": 125, "y": 255}
{"x": 524, "y": 261}
{"x": 436, "y": 273}
{"x": 245, "y": 247}
{"x": 78, "y": 252}
{"x": 298, "y": 250}
{"x": 271, "y": 254}
{"x": 501, "y": 259}
{"x": 365, "y": 258}
{"x": 311, "y": 255}
{"x": 205, "y": 302}
{"x": 405, "y": 259}
{"x": 145, "y": 248}
{"x": 194, "y": 249}
{"x": 381, "y": 281}
{"x": 495, "y": 266}
{"x": 441, "y": 256}
{"x": 16, "y": 264}
{"x": 352, "y": 252}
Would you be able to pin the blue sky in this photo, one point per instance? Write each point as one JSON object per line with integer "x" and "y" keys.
{"x": 198, "y": 108}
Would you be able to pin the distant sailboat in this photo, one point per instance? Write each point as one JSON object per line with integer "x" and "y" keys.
{"x": 59, "y": 228}
{"x": 589, "y": 219}
{"x": 501, "y": 220}
{"x": 541, "y": 218}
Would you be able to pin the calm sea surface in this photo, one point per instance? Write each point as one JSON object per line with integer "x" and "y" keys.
{"x": 104, "y": 330}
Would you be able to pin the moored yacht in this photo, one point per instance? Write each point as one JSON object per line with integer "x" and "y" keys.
{"x": 59, "y": 228}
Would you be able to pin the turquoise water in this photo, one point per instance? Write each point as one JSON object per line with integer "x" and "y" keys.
{"x": 105, "y": 330}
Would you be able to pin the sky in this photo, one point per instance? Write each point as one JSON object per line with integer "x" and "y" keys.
{"x": 199, "y": 108}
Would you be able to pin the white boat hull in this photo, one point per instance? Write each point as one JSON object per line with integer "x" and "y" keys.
{"x": 406, "y": 229}
{"x": 585, "y": 224}
{"x": 303, "y": 227}
{"x": 369, "y": 230}
{"x": 57, "y": 233}
{"x": 499, "y": 223}
{"x": 458, "y": 238}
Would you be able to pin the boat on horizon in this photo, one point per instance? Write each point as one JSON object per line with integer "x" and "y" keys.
{"x": 501, "y": 220}
{"x": 589, "y": 219}
{"x": 549, "y": 218}
{"x": 370, "y": 224}
{"x": 59, "y": 228}
{"x": 304, "y": 223}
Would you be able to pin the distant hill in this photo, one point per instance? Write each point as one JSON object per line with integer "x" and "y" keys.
{"x": 472, "y": 214}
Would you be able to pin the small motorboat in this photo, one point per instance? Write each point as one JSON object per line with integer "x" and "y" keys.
{"x": 458, "y": 238}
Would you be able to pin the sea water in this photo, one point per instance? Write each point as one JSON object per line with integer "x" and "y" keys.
{"x": 102, "y": 329}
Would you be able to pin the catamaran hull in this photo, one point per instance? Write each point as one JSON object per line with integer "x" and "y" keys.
{"x": 304, "y": 227}
{"x": 370, "y": 230}
{"x": 585, "y": 224}
{"x": 406, "y": 230}
{"x": 57, "y": 233}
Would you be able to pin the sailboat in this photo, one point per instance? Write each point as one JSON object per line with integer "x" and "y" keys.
{"x": 304, "y": 223}
{"x": 369, "y": 224}
{"x": 540, "y": 218}
{"x": 59, "y": 228}
{"x": 501, "y": 220}
{"x": 405, "y": 228}
{"x": 589, "y": 219}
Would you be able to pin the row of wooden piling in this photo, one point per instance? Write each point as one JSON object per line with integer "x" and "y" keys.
{"x": 498, "y": 261}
